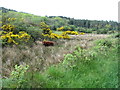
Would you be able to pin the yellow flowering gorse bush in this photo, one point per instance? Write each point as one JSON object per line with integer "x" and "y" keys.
{"x": 8, "y": 27}
{"x": 53, "y": 35}
{"x": 81, "y": 33}
{"x": 70, "y": 32}
{"x": 46, "y": 29}
{"x": 66, "y": 36}
{"x": 8, "y": 36}
{"x": 60, "y": 29}
{"x": 23, "y": 36}
{"x": 11, "y": 19}
{"x": 57, "y": 36}
{"x": 47, "y": 32}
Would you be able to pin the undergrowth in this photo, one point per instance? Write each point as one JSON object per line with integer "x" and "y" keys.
{"x": 93, "y": 68}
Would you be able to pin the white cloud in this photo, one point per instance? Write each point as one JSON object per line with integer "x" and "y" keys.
{"x": 80, "y": 9}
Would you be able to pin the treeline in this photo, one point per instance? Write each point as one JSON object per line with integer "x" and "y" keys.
{"x": 95, "y": 25}
{"x": 4, "y": 10}
{"x": 90, "y": 23}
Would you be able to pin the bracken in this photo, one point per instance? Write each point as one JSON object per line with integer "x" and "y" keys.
{"x": 48, "y": 43}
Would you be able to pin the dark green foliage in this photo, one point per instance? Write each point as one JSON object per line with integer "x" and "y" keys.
{"x": 102, "y": 31}
{"x": 106, "y": 42}
{"x": 117, "y": 35}
{"x": 4, "y": 10}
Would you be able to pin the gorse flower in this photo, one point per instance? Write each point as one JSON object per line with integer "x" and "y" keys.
{"x": 46, "y": 29}
{"x": 82, "y": 33}
{"x": 70, "y": 32}
{"x": 8, "y": 27}
{"x": 60, "y": 29}
{"x": 53, "y": 35}
{"x": 56, "y": 36}
{"x": 9, "y": 37}
{"x": 66, "y": 37}
{"x": 11, "y": 19}
{"x": 23, "y": 36}
{"x": 47, "y": 32}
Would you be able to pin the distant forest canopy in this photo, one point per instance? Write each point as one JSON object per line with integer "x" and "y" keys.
{"x": 82, "y": 25}
{"x": 5, "y": 10}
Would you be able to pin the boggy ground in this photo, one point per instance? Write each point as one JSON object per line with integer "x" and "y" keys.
{"x": 40, "y": 57}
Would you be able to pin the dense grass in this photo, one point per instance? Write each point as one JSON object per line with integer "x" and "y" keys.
{"x": 99, "y": 71}
{"x": 96, "y": 67}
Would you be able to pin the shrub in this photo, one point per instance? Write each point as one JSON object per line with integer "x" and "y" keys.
{"x": 70, "y": 32}
{"x": 17, "y": 77}
{"x": 117, "y": 35}
{"x": 10, "y": 36}
{"x": 8, "y": 27}
{"x": 105, "y": 42}
{"x": 60, "y": 29}
{"x": 81, "y": 33}
{"x": 45, "y": 28}
{"x": 35, "y": 33}
{"x": 102, "y": 31}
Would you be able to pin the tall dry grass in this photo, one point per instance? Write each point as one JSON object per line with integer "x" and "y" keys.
{"x": 39, "y": 57}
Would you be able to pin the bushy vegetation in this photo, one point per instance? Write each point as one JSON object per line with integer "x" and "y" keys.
{"x": 93, "y": 68}
{"x": 60, "y": 22}
{"x": 22, "y": 22}
{"x": 10, "y": 36}
{"x": 77, "y": 59}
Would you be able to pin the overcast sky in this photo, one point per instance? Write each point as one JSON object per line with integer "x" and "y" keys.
{"x": 78, "y": 9}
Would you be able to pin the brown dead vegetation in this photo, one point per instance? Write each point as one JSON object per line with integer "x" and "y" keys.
{"x": 40, "y": 57}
